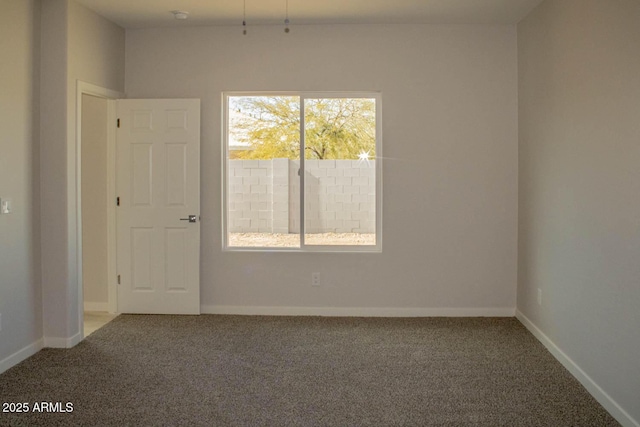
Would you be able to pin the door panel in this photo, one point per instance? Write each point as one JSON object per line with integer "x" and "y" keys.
{"x": 142, "y": 180}
{"x": 141, "y": 255}
{"x": 176, "y": 261}
{"x": 175, "y": 182}
{"x": 158, "y": 185}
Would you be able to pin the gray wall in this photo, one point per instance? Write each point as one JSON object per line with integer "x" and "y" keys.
{"x": 20, "y": 295}
{"x": 78, "y": 44}
{"x": 579, "y": 173}
{"x": 449, "y": 123}
{"x": 94, "y": 202}
{"x": 53, "y": 179}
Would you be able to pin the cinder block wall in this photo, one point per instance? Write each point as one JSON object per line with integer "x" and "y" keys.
{"x": 264, "y": 196}
{"x": 340, "y": 196}
{"x": 251, "y": 196}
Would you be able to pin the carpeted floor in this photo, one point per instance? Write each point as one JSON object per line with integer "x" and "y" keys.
{"x": 302, "y": 371}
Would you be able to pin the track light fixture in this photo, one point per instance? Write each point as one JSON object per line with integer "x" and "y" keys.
{"x": 244, "y": 17}
{"x": 286, "y": 17}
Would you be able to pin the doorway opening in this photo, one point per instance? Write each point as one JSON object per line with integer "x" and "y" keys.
{"x": 95, "y": 208}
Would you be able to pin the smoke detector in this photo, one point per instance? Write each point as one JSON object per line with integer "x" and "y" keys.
{"x": 179, "y": 14}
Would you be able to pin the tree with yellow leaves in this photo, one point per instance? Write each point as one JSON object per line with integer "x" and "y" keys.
{"x": 335, "y": 128}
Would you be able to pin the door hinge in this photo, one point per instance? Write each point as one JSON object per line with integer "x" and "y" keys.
{"x": 118, "y": 122}
{"x": 118, "y": 279}
{"x": 117, "y": 201}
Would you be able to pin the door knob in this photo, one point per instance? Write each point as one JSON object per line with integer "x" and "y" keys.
{"x": 192, "y": 218}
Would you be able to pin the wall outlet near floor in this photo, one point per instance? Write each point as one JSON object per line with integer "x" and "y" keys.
{"x": 539, "y": 296}
{"x": 315, "y": 279}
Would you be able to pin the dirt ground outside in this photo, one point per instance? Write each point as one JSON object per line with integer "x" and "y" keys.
{"x": 276, "y": 240}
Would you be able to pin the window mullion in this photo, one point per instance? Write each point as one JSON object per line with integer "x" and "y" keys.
{"x": 301, "y": 174}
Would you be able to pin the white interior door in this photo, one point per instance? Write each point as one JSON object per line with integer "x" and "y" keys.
{"x": 158, "y": 188}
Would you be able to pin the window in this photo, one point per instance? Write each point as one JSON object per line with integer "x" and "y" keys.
{"x": 302, "y": 171}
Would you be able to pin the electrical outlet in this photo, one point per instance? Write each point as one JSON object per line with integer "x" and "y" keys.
{"x": 315, "y": 279}
{"x": 539, "y": 296}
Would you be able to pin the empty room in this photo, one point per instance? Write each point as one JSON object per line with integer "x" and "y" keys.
{"x": 287, "y": 212}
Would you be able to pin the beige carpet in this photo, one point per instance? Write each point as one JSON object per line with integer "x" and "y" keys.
{"x": 302, "y": 371}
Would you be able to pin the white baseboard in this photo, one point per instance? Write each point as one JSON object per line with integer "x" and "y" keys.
{"x": 592, "y": 387}
{"x": 58, "y": 342}
{"x": 21, "y": 355}
{"x": 96, "y": 306}
{"x": 357, "y": 311}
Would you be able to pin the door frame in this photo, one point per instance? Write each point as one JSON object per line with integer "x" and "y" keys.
{"x": 84, "y": 88}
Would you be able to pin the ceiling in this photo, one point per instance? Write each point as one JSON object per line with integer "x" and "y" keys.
{"x": 156, "y": 13}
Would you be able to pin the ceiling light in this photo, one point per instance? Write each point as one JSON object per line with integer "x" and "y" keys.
{"x": 179, "y": 14}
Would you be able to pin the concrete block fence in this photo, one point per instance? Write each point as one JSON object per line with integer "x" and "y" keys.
{"x": 264, "y": 196}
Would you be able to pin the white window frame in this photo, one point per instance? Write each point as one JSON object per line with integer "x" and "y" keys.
{"x": 303, "y": 247}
